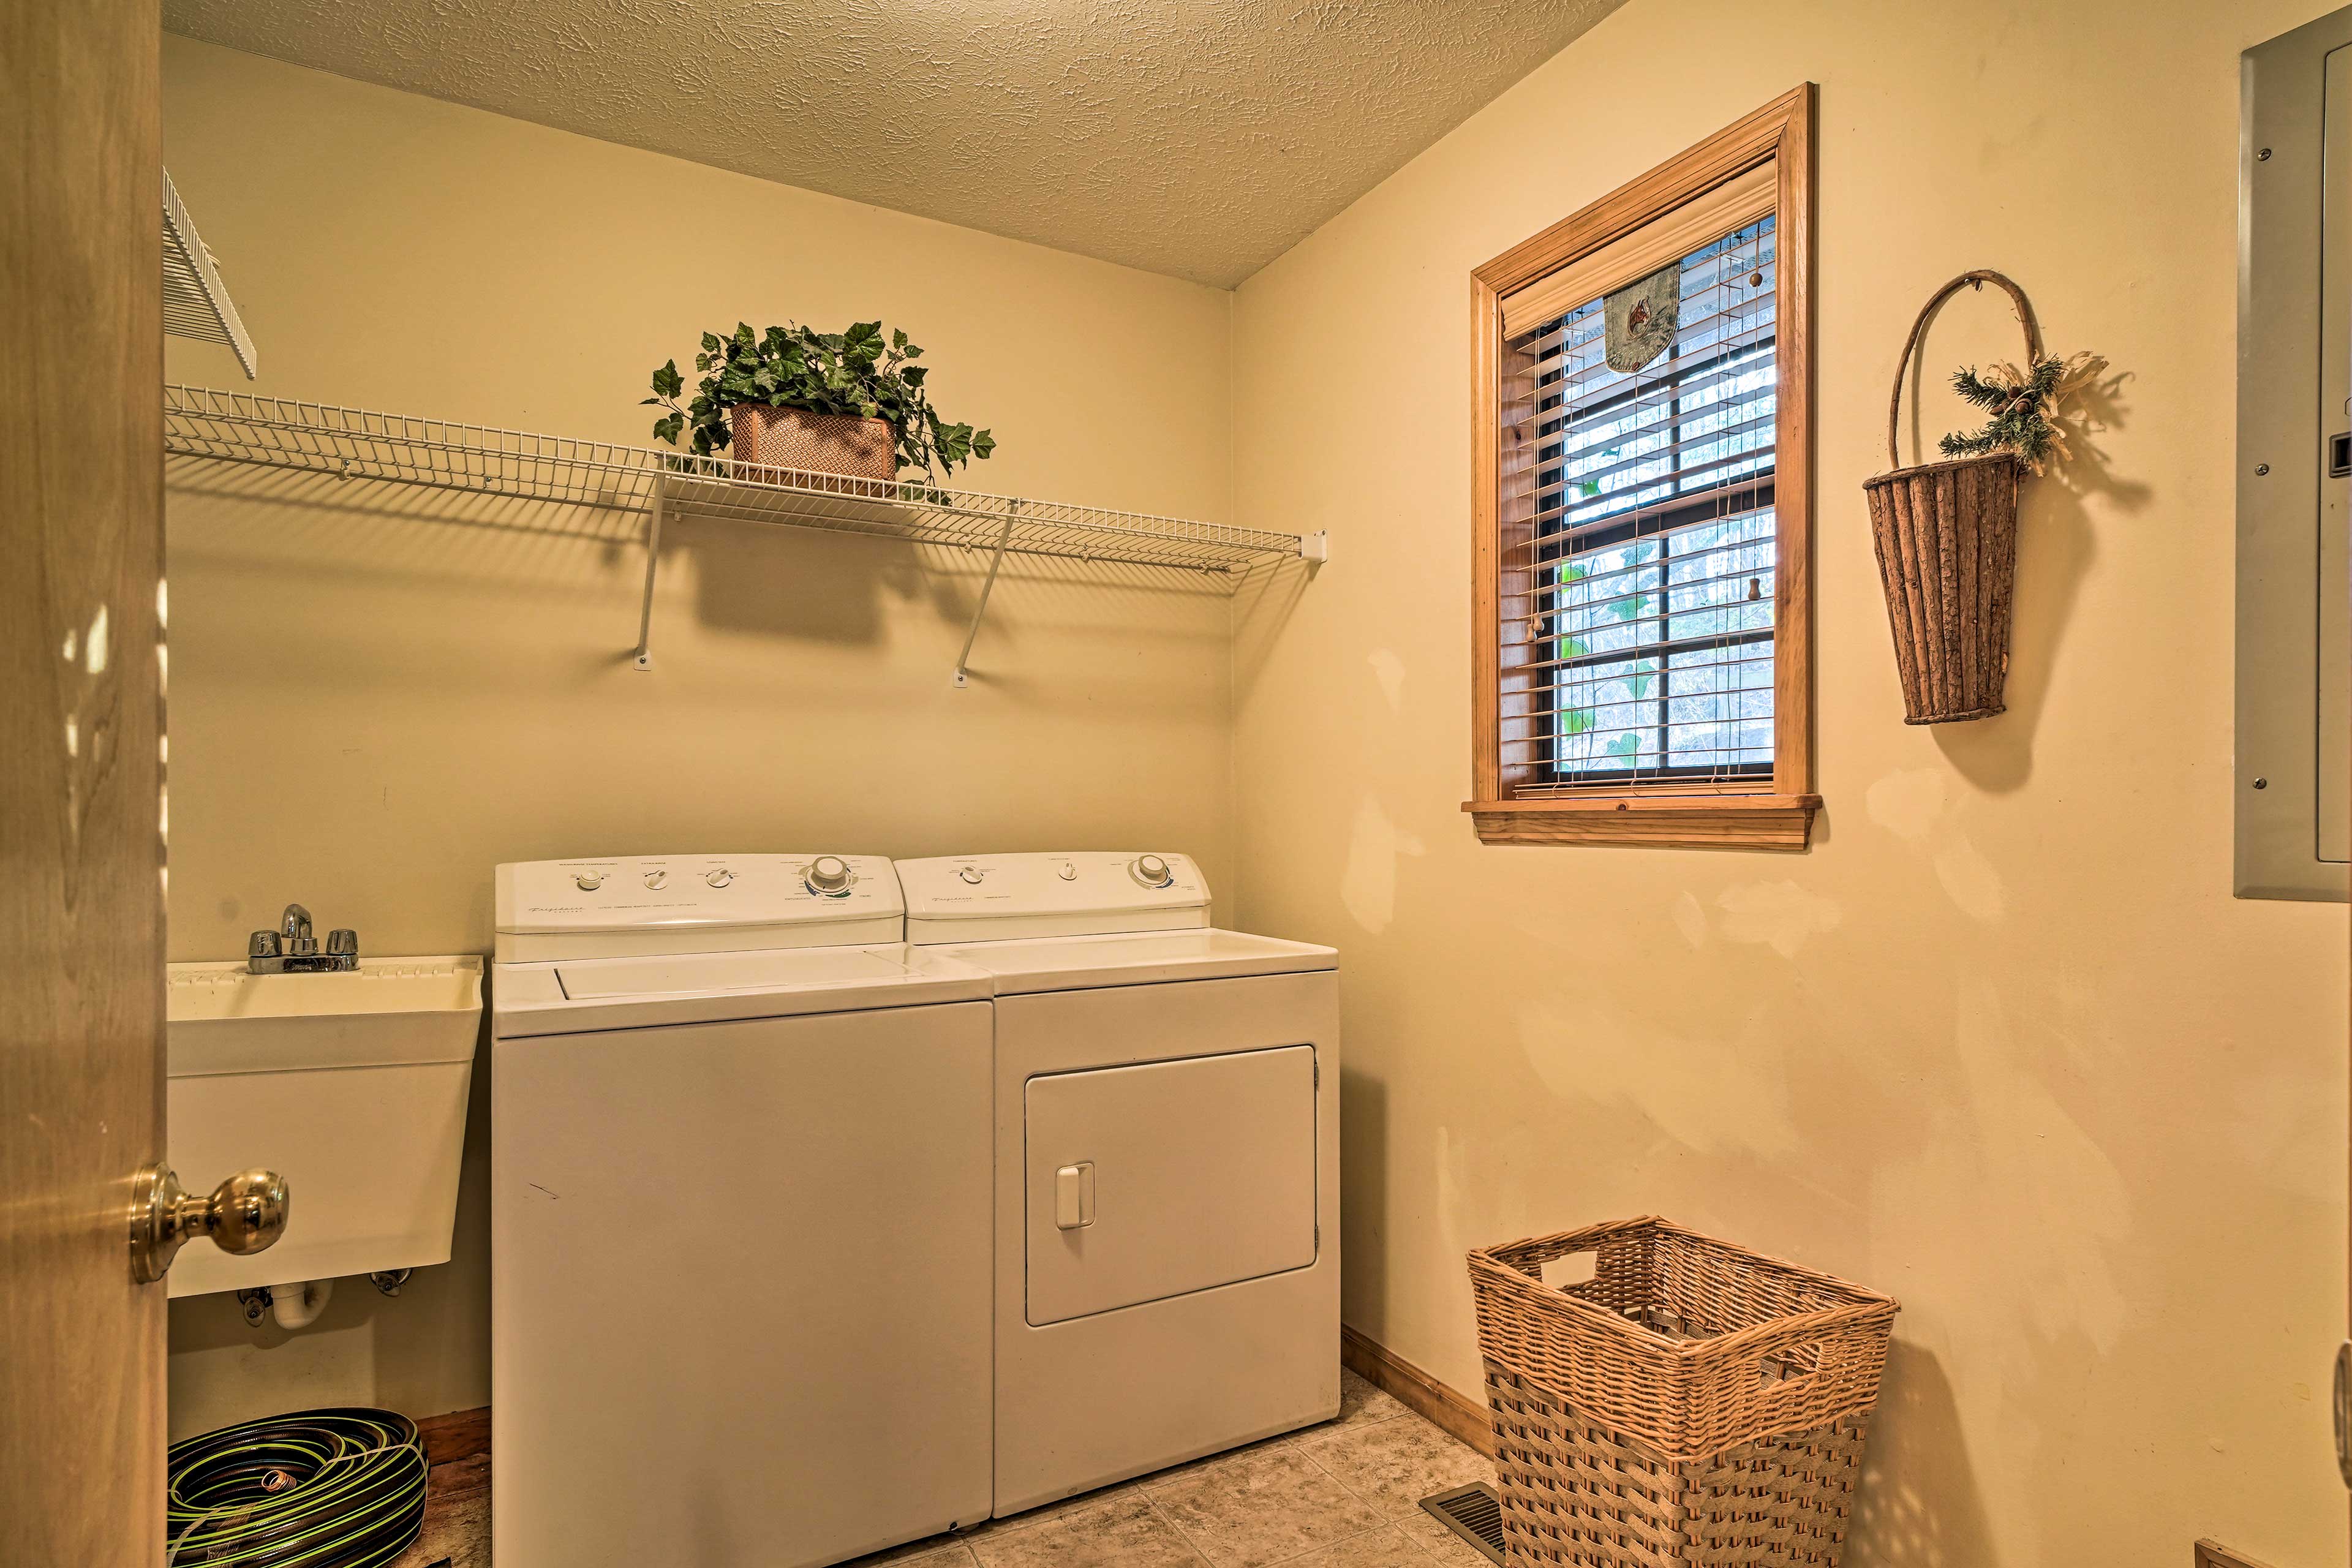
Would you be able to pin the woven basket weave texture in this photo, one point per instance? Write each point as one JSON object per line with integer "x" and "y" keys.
{"x": 1945, "y": 536}
{"x": 1693, "y": 1403}
{"x": 838, "y": 453}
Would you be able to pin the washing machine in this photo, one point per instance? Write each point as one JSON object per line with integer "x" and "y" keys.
{"x": 1167, "y": 1201}
{"x": 742, "y": 1216}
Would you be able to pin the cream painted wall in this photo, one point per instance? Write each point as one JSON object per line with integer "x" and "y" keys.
{"x": 2002, "y": 1043}
{"x": 378, "y": 695}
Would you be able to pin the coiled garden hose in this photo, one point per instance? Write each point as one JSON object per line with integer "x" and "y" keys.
{"x": 316, "y": 1489}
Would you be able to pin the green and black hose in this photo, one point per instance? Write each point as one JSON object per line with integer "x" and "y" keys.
{"x": 316, "y": 1489}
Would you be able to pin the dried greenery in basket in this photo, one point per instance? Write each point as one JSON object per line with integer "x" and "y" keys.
{"x": 856, "y": 371}
{"x": 2026, "y": 405}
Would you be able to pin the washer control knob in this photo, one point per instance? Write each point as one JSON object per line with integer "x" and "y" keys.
{"x": 719, "y": 878}
{"x": 656, "y": 879}
{"x": 828, "y": 876}
{"x": 971, "y": 874}
{"x": 1067, "y": 872}
{"x": 590, "y": 880}
{"x": 1152, "y": 872}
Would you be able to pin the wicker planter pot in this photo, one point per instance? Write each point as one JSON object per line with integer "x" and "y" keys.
{"x": 1946, "y": 534}
{"x": 1947, "y": 541}
{"x": 834, "y": 452}
{"x": 1693, "y": 1403}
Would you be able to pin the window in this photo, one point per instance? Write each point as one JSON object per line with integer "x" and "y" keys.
{"x": 1643, "y": 510}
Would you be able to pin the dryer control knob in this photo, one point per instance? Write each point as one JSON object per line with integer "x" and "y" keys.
{"x": 1152, "y": 872}
{"x": 971, "y": 874}
{"x": 828, "y": 876}
{"x": 590, "y": 880}
{"x": 719, "y": 878}
{"x": 656, "y": 879}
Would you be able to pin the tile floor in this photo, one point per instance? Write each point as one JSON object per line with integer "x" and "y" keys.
{"x": 1345, "y": 1494}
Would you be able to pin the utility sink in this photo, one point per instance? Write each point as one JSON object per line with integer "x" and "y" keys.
{"x": 352, "y": 1086}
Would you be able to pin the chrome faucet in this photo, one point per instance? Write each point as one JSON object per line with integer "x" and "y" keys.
{"x": 292, "y": 950}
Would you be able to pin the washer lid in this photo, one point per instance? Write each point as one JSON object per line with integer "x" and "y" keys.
{"x": 1143, "y": 958}
{"x": 649, "y": 904}
{"x": 575, "y": 995}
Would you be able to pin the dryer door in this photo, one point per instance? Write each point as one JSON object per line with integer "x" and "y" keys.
{"x": 1169, "y": 1177}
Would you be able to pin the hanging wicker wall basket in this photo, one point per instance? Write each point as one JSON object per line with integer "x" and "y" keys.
{"x": 1947, "y": 540}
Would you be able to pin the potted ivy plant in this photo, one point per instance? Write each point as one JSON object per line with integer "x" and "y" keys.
{"x": 848, "y": 406}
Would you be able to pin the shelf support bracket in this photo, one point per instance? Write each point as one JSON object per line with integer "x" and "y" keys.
{"x": 1004, "y": 537}
{"x": 645, "y": 660}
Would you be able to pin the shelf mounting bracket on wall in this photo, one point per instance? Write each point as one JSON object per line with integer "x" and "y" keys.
{"x": 645, "y": 660}
{"x": 963, "y": 676}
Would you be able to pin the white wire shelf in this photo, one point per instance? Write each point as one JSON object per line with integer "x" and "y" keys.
{"x": 356, "y": 443}
{"x": 196, "y": 301}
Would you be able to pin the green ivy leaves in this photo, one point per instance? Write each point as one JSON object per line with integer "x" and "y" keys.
{"x": 859, "y": 371}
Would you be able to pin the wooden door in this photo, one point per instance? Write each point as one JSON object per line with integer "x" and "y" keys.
{"x": 81, "y": 895}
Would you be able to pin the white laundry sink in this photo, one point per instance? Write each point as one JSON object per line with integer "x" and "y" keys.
{"x": 352, "y": 1086}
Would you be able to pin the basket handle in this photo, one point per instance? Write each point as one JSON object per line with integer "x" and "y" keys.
{"x": 1975, "y": 279}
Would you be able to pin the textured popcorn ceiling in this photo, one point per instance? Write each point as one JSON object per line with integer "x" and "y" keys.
{"x": 1200, "y": 138}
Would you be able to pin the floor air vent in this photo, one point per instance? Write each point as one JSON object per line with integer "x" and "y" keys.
{"x": 1472, "y": 1513}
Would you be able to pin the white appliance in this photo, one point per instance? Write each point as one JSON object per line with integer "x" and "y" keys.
{"x": 1167, "y": 1099}
{"x": 740, "y": 1199}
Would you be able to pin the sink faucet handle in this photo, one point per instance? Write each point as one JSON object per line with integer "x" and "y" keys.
{"x": 342, "y": 942}
{"x": 263, "y": 944}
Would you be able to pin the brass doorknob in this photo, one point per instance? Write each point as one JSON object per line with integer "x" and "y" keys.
{"x": 244, "y": 1215}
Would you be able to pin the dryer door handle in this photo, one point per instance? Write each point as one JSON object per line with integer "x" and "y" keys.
{"x": 1074, "y": 1197}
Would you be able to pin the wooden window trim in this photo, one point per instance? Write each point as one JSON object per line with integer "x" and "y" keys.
{"x": 1779, "y": 817}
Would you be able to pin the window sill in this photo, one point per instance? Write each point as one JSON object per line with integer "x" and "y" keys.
{"x": 1652, "y": 821}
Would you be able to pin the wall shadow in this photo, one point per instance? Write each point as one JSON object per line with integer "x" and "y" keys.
{"x": 750, "y": 578}
{"x": 2056, "y": 545}
{"x": 1263, "y": 604}
{"x": 1918, "y": 1504}
{"x": 1363, "y": 1190}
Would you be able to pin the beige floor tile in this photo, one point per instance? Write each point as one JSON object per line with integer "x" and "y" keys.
{"x": 1177, "y": 1475}
{"x": 1384, "y": 1548}
{"x": 1393, "y": 1465}
{"x": 934, "y": 1552}
{"x": 1263, "y": 1509}
{"x": 1360, "y": 1402}
{"x": 458, "y": 1528}
{"x": 1119, "y": 1531}
{"x": 1047, "y": 1513}
{"x": 1442, "y": 1544}
{"x": 1345, "y": 1494}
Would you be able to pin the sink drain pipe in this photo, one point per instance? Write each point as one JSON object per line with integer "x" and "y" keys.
{"x": 298, "y": 1305}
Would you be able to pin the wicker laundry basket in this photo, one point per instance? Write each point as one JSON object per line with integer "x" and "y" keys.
{"x": 840, "y": 453}
{"x": 1693, "y": 1403}
{"x": 1946, "y": 535}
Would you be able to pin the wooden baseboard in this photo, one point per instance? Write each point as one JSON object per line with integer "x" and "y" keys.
{"x": 1416, "y": 1390}
{"x": 458, "y": 1449}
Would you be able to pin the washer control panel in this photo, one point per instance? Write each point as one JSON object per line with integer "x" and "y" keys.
{"x": 675, "y": 902}
{"x": 980, "y": 898}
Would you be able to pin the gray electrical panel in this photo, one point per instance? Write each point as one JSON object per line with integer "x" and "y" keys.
{"x": 2293, "y": 768}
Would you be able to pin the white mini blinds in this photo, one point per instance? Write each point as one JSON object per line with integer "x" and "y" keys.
{"x": 1734, "y": 204}
{"x": 1647, "y": 537}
